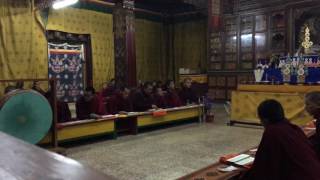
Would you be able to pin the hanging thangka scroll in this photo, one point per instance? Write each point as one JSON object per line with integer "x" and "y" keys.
{"x": 66, "y": 65}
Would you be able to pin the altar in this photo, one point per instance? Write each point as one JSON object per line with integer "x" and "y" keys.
{"x": 247, "y": 98}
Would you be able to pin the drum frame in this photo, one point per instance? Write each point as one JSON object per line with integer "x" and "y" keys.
{"x": 53, "y": 83}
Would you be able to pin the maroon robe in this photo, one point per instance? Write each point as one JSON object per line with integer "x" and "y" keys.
{"x": 284, "y": 153}
{"x": 85, "y": 108}
{"x": 315, "y": 140}
{"x": 117, "y": 104}
{"x": 160, "y": 101}
{"x": 63, "y": 111}
{"x": 142, "y": 101}
{"x": 108, "y": 92}
{"x": 187, "y": 96}
{"x": 173, "y": 99}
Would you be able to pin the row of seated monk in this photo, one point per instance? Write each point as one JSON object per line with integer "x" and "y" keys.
{"x": 112, "y": 100}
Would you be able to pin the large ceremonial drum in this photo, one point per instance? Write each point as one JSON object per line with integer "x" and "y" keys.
{"x": 25, "y": 114}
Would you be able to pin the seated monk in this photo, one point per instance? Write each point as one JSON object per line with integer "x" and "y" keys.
{"x": 63, "y": 111}
{"x": 90, "y": 104}
{"x": 172, "y": 97}
{"x": 312, "y": 102}
{"x": 110, "y": 89}
{"x": 142, "y": 100}
{"x": 284, "y": 151}
{"x": 159, "y": 98}
{"x": 187, "y": 95}
{"x": 36, "y": 87}
{"x": 120, "y": 102}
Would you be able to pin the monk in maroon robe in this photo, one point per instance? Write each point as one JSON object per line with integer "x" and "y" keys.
{"x": 89, "y": 105}
{"x": 172, "y": 97}
{"x": 120, "y": 102}
{"x": 110, "y": 89}
{"x": 284, "y": 151}
{"x": 159, "y": 98}
{"x": 36, "y": 87}
{"x": 143, "y": 100}
{"x": 187, "y": 95}
{"x": 312, "y": 102}
{"x": 63, "y": 111}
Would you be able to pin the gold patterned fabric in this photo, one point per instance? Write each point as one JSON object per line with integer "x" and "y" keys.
{"x": 23, "y": 47}
{"x": 150, "y": 51}
{"x": 244, "y": 106}
{"x": 190, "y": 45}
{"x": 100, "y": 27}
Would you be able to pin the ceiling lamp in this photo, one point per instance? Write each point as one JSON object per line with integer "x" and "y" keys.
{"x": 63, "y": 3}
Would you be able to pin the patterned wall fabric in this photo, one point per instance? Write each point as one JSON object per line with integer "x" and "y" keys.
{"x": 150, "y": 50}
{"x": 100, "y": 27}
{"x": 190, "y": 45}
{"x": 23, "y": 47}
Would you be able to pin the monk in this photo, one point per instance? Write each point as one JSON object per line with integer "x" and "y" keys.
{"x": 187, "y": 95}
{"x": 159, "y": 98}
{"x": 36, "y": 87}
{"x": 110, "y": 89}
{"x": 89, "y": 105}
{"x": 284, "y": 151}
{"x": 142, "y": 99}
{"x": 121, "y": 102}
{"x": 312, "y": 101}
{"x": 172, "y": 97}
{"x": 63, "y": 111}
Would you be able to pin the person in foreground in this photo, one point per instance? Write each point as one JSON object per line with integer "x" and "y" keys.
{"x": 312, "y": 101}
{"x": 284, "y": 151}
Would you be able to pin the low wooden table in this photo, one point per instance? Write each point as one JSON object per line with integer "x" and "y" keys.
{"x": 20, "y": 160}
{"x": 211, "y": 172}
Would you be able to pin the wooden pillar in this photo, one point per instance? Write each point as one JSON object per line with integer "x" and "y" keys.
{"x": 124, "y": 43}
{"x": 214, "y": 33}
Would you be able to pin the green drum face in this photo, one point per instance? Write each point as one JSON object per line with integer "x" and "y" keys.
{"x": 26, "y": 115}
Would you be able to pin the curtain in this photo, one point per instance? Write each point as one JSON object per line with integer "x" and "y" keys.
{"x": 190, "y": 45}
{"x": 23, "y": 48}
{"x": 150, "y": 50}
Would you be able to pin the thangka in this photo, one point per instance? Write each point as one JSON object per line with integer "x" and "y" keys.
{"x": 66, "y": 65}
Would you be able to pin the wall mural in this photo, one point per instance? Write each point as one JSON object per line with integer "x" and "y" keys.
{"x": 66, "y": 65}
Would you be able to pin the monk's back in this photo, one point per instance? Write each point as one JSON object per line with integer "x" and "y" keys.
{"x": 285, "y": 153}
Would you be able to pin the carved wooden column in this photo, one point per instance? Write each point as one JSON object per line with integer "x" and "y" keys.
{"x": 214, "y": 34}
{"x": 124, "y": 43}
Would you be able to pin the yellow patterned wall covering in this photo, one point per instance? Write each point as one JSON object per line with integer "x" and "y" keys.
{"x": 150, "y": 50}
{"x": 23, "y": 47}
{"x": 190, "y": 45}
{"x": 100, "y": 27}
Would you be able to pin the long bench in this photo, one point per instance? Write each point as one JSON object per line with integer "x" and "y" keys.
{"x": 84, "y": 128}
{"x": 211, "y": 172}
{"x": 116, "y": 123}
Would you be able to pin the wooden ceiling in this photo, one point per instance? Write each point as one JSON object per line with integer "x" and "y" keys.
{"x": 163, "y": 6}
